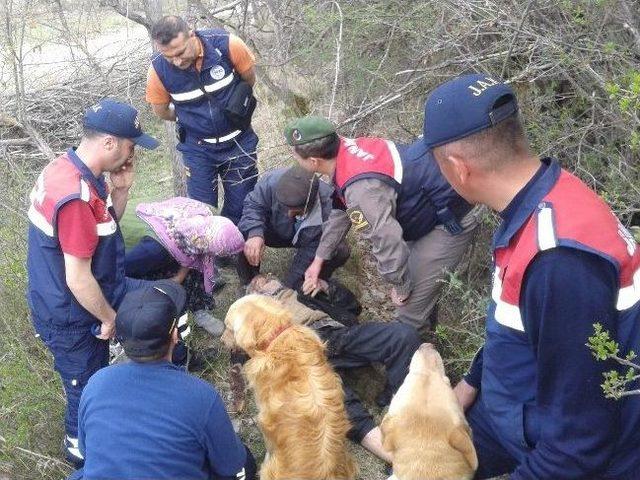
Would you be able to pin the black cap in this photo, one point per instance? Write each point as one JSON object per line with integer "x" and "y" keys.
{"x": 297, "y": 188}
{"x": 147, "y": 316}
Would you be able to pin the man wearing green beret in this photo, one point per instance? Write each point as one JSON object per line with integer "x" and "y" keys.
{"x": 397, "y": 198}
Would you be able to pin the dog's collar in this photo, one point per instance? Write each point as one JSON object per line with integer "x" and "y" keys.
{"x": 275, "y": 335}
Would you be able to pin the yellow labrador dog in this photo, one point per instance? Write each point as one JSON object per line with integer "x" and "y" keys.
{"x": 425, "y": 428}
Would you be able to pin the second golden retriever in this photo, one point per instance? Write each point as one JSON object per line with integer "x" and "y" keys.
{"x": 425, "y": 428}
{"x": 299, "y": 396}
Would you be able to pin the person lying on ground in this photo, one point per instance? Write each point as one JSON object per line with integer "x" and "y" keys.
{"x": 391, "y": 344}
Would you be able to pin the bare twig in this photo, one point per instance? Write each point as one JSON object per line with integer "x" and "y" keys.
{"x": 515, "y": 38}
{"x": 124, "y": 11}
{"x": 337, "y": 70}
{"x": 40, "y": 456}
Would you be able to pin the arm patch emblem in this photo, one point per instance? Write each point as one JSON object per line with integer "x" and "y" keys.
{"x": 358, "y": 220}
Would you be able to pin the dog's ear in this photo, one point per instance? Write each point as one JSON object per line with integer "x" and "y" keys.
{"x": 388, "y": 433}
{"x": 244, "y": 335}
{"x": 460, "y": 439}
{"x": 227, "y": 339}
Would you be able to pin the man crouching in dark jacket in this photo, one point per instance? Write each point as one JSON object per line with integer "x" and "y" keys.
{"x": 286, "y": 209}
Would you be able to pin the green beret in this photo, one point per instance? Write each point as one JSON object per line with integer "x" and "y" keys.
{"x": 306, "y": 129}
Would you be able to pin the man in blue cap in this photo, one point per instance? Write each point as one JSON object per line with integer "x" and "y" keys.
{"x": 148, "y": 418}
{"x": 562, "y": 262}
{"x": 393, "y": 195}
{"x": 75, "y": 262}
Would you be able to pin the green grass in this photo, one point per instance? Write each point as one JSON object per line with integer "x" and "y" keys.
{"x": 153, "y": 182}
{"x": 31, "y": 396}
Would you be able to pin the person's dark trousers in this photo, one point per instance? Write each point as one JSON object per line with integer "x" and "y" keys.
{"x": 250, "y": 469}
{"x": 147, "y": 259}
{"x": 493, "y": 459}
{"x": 77, "y": 354}
{"x": 234, "y": 161}
{"x": 392, "y": 344}
{"x": 302, "y": 258}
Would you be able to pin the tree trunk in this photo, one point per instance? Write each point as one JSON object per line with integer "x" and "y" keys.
{"x": 153, "y": 8}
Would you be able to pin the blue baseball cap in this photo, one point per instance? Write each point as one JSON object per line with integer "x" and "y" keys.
{"x": 147, "y": 316}
{"x": 120, "y": 120}
{"x": 466, "y": 105}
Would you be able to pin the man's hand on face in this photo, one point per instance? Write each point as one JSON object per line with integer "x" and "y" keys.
{"x": 253, "y": 250}
{"x": 122, "y": 179}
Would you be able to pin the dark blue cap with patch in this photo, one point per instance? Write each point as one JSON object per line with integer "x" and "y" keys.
{"x": 466, "y": 105}
{"x": 118, "y": 119}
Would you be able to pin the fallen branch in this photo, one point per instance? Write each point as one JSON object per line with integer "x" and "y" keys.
{"x": 40, "y": 456}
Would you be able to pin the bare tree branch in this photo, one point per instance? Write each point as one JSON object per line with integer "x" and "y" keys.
{"x": 337, "y": 69}
{"x": 123, "y": 10}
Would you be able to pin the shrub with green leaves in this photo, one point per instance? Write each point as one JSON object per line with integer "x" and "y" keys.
{"x": 617, "y": 382}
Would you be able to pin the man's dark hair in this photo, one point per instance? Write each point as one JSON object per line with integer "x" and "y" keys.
{"x": 498, "y": 145}
{"x": 90, "y": 133}
{"x": 325, "y": 147}
{"x": 153, "y": 357}
{"x": 168, "y": 28}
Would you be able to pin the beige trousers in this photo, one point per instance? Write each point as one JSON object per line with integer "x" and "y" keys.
{"x": 430, "y": 258}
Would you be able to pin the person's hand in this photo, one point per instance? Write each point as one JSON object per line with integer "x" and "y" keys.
{"x": 397, "y": 299}
{"x": 180, "y": 275}
{"x": 322, "y": 286}
{"x": 312, "y": 277}
{"x": 107, "y": 330}
{"x": 253, "y": 250}
{"x": 122, "y": 179}
{"x": 466, "y": 394}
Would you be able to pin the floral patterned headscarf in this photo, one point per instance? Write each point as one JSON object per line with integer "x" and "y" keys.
{"x": 192, "y": 234}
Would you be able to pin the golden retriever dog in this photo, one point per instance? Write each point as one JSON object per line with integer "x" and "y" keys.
{"x": 425, "y": 428}
{"x": 299, "y": 396}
